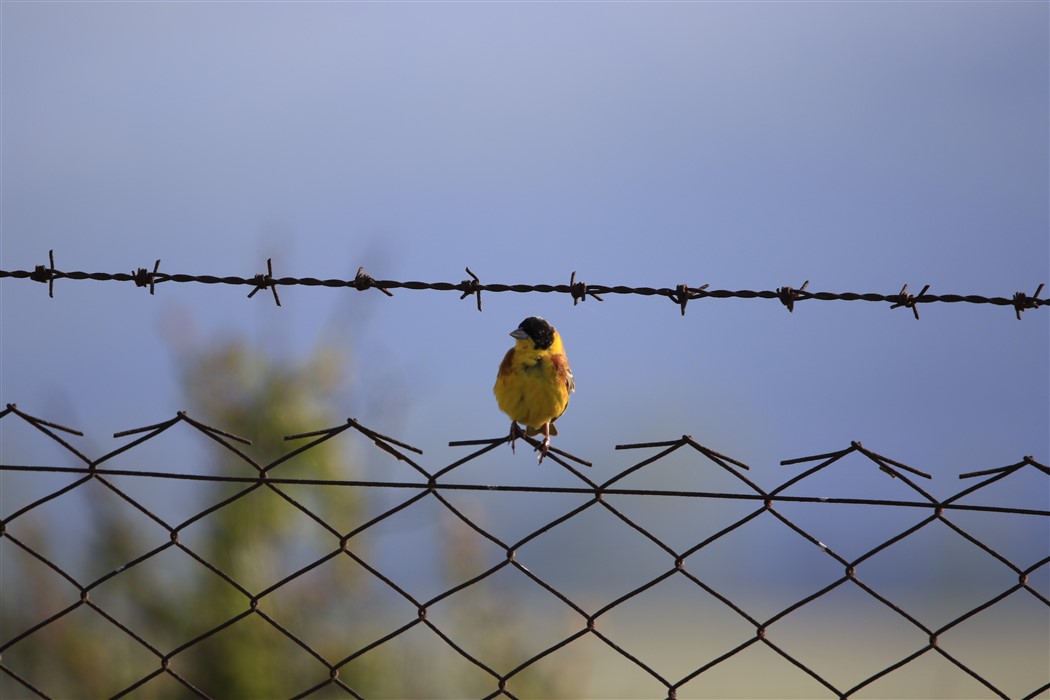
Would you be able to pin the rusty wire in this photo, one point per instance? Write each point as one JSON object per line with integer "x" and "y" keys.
{"x": 680, "y": 294}
{"x": 589, "y": 619}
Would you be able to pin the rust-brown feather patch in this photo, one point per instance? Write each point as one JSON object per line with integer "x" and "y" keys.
{"x": 506, "y": 365}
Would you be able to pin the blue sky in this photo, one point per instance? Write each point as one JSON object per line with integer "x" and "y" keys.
{"x": 859, "y": 145}
{"x": 745, "y": 145}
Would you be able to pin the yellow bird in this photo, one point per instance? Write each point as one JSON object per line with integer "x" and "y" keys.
{"x": 534, "y": 380}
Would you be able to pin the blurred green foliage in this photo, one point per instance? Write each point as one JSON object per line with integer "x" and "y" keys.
{"x": 266, "y": 541}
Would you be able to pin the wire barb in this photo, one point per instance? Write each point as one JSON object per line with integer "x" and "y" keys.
{"x": 579, "y": 290}
{"x": 788, "y": 296}
{"x": 1022, "y": 302}
{"x": 363, "y": 281}
{"x": 46, "y": 274}
{"x": 682, "y": 295}
{"x": 471, "y": 286}
{"x": 145, "y": 278}
{"x": 265, "y": 281}
{"x": 909, "y": 301}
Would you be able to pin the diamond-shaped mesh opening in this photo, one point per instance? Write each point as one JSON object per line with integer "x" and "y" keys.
{"x": 486, "y": 619}
{"x": 258, "y": 539}
{"x": 683, "y": 523}
{"x": 851, "y": 530}
{"x": 343, "y": 508}
{"x": 1021, "y": 539}
{"x": 40, "y": 591}
{"x": 594, "y": 557}
{"x": 95, "y": 519}
{"x": 416, "y": 549}
{"x": 249, "y": 658}
{"x": 845, "y": 635}
{"x": 755, "y": 671}
{"x": 163, "y": 686}
{"x": 676, "y": 627}
{"x": 763, "y": 566}
{"x": 612, "y": 675}
{"x": 81, "y": 654}
{"x": 302, "y": 465}
{"x": 175, "y": 501}
{"x": 169, "y": 599}
{"x": 20, "y": 490}
{"x": 930, "y": 675}
{"x": 511, "y": 516}
{"x": 561, "y": 674}
{"x": 337, "y": 607}
{"x": 417, "y": 663}
{"x": 935, "y": 575}
{"x": 1016, "y": 669}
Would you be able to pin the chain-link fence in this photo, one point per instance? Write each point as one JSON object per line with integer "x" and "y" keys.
{"x": 738, "y": 590}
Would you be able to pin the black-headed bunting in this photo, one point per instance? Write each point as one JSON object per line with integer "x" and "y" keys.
{"x": 534, "y": 380}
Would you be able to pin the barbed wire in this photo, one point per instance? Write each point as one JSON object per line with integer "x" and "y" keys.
{"x": 680, "y": 294}
{"x": 589, "y": 617}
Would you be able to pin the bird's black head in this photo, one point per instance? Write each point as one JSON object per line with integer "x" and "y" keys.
{"x": 536, "y": 328}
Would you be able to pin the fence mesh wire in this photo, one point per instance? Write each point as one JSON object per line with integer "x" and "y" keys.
{"x": 1020, "y": 584}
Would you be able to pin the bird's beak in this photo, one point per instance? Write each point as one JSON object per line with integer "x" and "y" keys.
{"x": 519, "y": 334}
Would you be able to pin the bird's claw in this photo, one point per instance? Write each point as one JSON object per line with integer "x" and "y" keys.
{"x": 542, "y": 449}
{"x": 515, "y": 433}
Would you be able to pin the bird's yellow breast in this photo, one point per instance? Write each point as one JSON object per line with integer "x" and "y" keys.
{"x": 529, "y": 387}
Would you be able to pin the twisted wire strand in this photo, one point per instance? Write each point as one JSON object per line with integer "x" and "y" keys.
{"x": 579, "y": 291}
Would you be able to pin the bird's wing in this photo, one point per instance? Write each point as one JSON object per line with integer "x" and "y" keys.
{"x": 562, "y": 371}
